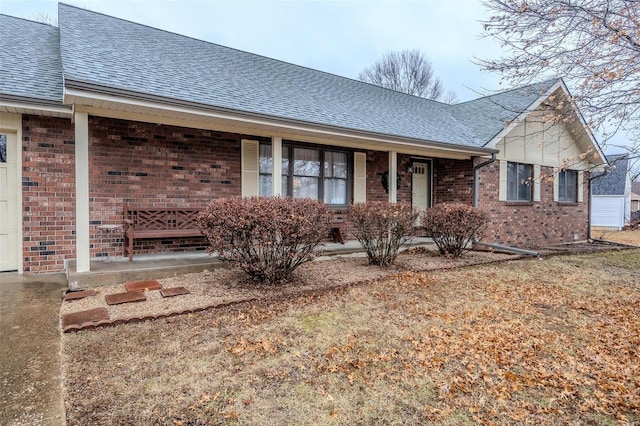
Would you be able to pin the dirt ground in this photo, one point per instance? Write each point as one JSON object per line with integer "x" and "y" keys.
{"x": 551, "y": 341}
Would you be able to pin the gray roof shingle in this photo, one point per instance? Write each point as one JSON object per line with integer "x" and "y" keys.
{"x": 31, "y": 66}
{"x": 137, "y": 58}
{"x": 486, "y": 117}
{"x": 614, "y": 182}
{"x": 103, "y": 51}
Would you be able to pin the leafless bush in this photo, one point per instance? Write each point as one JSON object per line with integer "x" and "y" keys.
{"x": 382, "y": 228}
{"x": 267, "y": 237}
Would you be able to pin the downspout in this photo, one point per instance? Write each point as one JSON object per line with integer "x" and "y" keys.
{"x": 476, "y": 201}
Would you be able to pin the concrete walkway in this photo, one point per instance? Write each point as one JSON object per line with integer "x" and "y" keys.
{"x": 30, "y": 363}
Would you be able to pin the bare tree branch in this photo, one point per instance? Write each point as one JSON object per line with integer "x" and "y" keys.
{"x": 593, "y": 44}
{"x": 407, "y": 71}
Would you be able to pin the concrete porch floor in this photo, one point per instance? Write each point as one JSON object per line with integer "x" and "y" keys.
{"x": 113, "y": 270}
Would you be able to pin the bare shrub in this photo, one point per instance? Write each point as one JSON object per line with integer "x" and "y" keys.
{"x": 382, "y": 228}
{"x": 453, "y": 227}
{"x": 267, "y": 237}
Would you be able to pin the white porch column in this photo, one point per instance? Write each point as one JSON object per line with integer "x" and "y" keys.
{"x": 81, "y": 120}
{"x": 393, "y": 176}
{"x": 276, "y": 153}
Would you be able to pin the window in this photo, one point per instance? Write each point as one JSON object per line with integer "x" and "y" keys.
{"x": 335, "y": 177}
{"x": 568, "y": 186}
{"x": 266, "y": 170}
{"x": 519, "y": 181}
{"x": 3, "y": 148}
{"x": 308, "y": 172}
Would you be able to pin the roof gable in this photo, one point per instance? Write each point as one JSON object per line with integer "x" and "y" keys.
{"x": 488, "y": 116}
{"x": 31, "y": 68}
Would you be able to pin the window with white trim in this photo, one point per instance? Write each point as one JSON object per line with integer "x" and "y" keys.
{"x": 313, "y": 172}
{"x": 568, "y": 186}
{"x": 519, "y": 182}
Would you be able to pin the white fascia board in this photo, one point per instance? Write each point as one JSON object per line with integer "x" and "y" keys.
{"x": 81, "y": 97}
{"x": 25, "y": 108}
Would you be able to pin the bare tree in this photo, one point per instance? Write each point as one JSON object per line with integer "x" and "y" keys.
{"x": 407, "y": 71}
{"x": 43, "y": 17}
{"x": 592, "y": 44}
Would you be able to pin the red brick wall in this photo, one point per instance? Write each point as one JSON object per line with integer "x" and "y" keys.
{"x": 48, "y": 193}
{"x": 452, "y": 181}
{"x": 155, "y": 165}
{"x": 531, "y": 226}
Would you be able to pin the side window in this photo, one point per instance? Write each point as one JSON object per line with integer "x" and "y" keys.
{"x": 519, "y": 181}
{"x": 568, "y": 186}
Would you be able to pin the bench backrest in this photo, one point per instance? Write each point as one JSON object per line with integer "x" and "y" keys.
{"x": 156, "y": 218}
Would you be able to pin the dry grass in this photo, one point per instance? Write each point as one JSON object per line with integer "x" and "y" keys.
{"x": 550, "y": 341}
{"x": 626, "y": 237}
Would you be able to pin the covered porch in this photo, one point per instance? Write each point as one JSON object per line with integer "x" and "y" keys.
{"x": 107, "y": 271}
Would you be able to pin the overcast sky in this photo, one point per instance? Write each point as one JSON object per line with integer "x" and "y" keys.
{"x": 340, "y": 37}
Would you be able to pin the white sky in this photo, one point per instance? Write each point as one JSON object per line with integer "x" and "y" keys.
{"x": 340, "y": 37}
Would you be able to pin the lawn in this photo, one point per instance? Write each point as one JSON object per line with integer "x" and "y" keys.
{"x": 551, "y": 341}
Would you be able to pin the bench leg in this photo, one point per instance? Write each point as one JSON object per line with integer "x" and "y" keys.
{"x": 127, "y": 247}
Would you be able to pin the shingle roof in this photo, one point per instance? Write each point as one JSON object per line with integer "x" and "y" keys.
{"x": 31, "y": 66}
{"x": 486, "y": 117}
{"x": 111, "y": 53}
{"x": 614, "y": 182}
{"x": 136, "y": 58}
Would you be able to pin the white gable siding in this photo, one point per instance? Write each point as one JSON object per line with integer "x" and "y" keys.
{"x": 534, "y": 142}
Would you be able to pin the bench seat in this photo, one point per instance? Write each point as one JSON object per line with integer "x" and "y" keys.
{"x": 156, "y": 222}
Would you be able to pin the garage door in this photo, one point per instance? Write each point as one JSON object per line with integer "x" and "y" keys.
{"x": 9, "y": 218}
{"x": 607, "y": 211}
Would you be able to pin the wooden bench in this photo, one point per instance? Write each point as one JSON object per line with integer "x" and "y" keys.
{"x": 157, "y": 222}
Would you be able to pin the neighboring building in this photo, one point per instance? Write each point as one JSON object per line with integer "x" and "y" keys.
{"x": 635, "y": 196}
{"x": 611, "y": 195}
{"x": 101, "y": 113}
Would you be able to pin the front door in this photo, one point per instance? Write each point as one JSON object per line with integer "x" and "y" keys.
{"x": 421, "y": 186}
{"x": 9, "y": 217}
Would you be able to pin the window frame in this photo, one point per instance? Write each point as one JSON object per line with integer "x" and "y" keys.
{"x": 562, "y": 187}
{"x": 288, "y": 176}
{"x": 519, "y": 180}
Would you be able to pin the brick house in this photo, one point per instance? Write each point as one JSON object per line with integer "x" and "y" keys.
{"x": 99, "y": 113}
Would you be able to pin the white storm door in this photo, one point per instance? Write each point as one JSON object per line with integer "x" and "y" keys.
{"x": 9, "y": 247}
{"x": 420, "y": 186}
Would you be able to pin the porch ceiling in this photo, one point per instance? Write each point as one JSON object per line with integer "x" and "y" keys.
{"x": 194, "y": 116}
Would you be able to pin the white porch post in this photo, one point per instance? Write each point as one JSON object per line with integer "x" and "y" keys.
{"x": 81, "y": 120}
{"x": 276, "y": 153}
{"x": 393, "y": 176}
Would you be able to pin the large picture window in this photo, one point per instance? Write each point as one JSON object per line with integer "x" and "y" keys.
{"x": 568, "y": 186}
{"x": 309, "y": 172}
{"x": 519, "y": 182}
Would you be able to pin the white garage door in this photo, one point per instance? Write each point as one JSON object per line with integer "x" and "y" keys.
{"x": 607, "y": 211}
{"x": 9, "y": 218}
